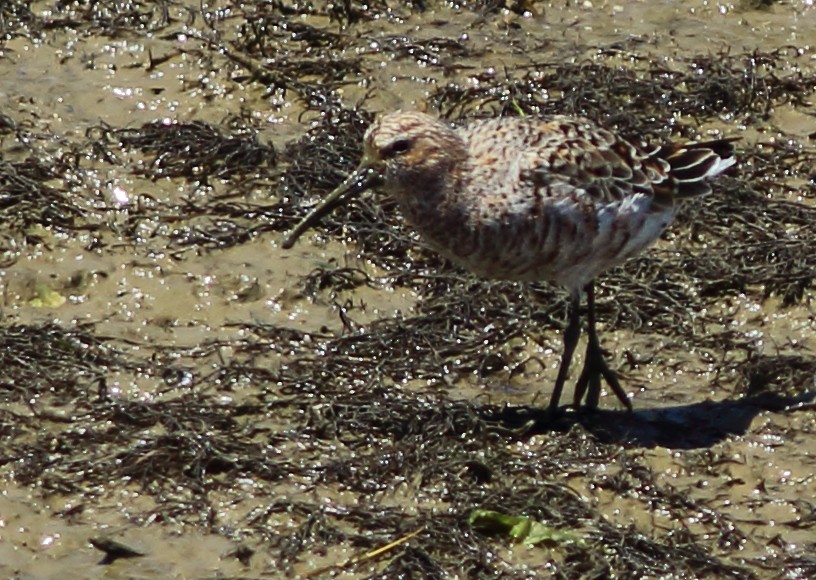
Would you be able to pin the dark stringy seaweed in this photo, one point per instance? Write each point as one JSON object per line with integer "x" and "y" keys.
{"x": 352, "y": 388}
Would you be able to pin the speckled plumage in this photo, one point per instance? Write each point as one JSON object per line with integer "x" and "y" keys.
{"x": 557, "y": 199}
{"x": 525, "y": 199}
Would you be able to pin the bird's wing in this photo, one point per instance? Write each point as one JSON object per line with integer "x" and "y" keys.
{"x": 575, "y": 158}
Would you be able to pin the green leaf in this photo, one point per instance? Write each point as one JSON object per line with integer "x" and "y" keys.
{"x": 521, "y": 529}
{"x": 45, "y": 297}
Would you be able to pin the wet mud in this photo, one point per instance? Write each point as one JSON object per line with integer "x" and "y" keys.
{"x": 181, "y": 397}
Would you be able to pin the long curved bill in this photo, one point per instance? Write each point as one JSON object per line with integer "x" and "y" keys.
{"x": 364, "y": 177}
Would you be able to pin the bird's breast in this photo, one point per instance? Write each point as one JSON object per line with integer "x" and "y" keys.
{"x": 567, "y": 242}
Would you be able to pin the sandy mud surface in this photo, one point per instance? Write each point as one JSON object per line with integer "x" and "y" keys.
{"x": 182, "y": 398}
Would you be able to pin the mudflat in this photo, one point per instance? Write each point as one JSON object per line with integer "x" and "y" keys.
{"x": 181, "y": 397}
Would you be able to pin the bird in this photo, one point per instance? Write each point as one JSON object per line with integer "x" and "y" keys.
{"x": 557, "y": 199}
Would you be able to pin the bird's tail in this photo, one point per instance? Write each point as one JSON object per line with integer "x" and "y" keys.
{"x": 692, "y": 165}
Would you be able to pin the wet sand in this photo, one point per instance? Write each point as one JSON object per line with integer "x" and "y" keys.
{"x": 174, "y": 380}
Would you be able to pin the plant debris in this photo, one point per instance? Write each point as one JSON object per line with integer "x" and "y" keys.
{"x": 352, "y": 437}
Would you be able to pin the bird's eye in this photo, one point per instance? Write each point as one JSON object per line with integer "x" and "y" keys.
{"x": 396, "y": 148}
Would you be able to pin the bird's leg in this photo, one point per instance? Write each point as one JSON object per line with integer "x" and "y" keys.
{"x": 571, "y": 334}
{"x": 595, "y": 365}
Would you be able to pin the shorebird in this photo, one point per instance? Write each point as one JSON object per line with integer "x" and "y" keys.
{"x": 557, "y": 199}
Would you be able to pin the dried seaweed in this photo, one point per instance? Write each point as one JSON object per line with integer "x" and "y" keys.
{"x": 26, "y": 200}
{"x": 15, "y": 18}
{"x": 338, "y": 414}
{"x": 113, "y": 18}
{"x": 196, "y": 151}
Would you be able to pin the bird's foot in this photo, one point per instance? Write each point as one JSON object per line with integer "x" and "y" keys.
{"x": 589, "y": 382}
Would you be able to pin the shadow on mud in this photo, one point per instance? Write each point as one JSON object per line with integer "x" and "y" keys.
{"x": 694, "y": 426}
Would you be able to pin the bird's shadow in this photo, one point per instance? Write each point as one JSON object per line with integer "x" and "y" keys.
{"x": 694, "y": 426}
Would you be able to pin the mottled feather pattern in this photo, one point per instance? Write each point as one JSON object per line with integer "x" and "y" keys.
{"x": 559, "y": 199}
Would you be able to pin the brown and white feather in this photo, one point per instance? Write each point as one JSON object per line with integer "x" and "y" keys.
{"x": 559, "y": 199}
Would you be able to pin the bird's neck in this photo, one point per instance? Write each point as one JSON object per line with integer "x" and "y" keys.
{"x": 433, "y": 204}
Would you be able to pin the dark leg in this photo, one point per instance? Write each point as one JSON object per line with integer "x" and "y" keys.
{"x": 595, "y": 365}
{"x": 571, "y": 334}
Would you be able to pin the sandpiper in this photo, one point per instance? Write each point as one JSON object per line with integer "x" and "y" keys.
{"x": 557, "y": 199}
